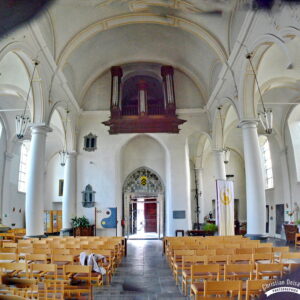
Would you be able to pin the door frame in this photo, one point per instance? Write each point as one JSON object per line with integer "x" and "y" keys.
{"x": 129, "y": 197}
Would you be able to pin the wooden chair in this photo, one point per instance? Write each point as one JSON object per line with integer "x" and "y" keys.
{"x": 218, "y": 259}
{"x": 262, "y": 258}
{"x": 263, "y": 250}
{"x": 238, "y": 271}
{"x": 27, "y": 288}
{"x": 22, "y": 251}
{"x": 255, "y": 287}
{"x": 9, "y": 245}
{"x": 245, "y": 251}
{"x": 36, "y": 258}
{"x": 24, "y": 243}
{"x": 60, "y": 260}
{"x": 15, "y": 269}
{"x": 60, "y": 251}
{"x": 225, "y": 251}
{"x": 62, "y": 289}
{"x": 176, "y": 261}
{"x": 223, "y": 288}
{"x": 264, "y": 245}
{"x": 269, "y": 270}
{"x": 205, "y": 252}
{"x": 108, "y": 265}
{"x": 280, "y": 250}
{"x": 42, "y": 251}
{"x": 9, "y": 257}
{"x": 8, "y": 250}
{"x": 232, "y": 246}
{"x": 43, "y": 271}
{"x": 289, "y": 257}
{"x": 200, "y": 273}
{"x": 85, "y": 273}
{"x": 187, "y": 262}
{"x": 241, "y": 259}
{"x": 11, "y": 297}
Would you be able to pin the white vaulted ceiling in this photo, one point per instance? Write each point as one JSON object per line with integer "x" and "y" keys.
{"x": 87, "y": 37}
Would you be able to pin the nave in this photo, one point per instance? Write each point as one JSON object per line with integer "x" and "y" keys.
{"x": 143, "y": 275}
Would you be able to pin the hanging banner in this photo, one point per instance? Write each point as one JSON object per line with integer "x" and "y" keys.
{"x": 225, "y": 207}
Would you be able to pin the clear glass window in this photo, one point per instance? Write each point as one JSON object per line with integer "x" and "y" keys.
{"x": 23, "y": 168}
{"x": 267, "y": 162}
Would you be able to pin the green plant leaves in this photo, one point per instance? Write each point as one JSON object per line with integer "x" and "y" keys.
{"x": 80, "y": 222}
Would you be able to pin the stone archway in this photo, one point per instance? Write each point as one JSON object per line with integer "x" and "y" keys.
{"x": 141, "y": 185}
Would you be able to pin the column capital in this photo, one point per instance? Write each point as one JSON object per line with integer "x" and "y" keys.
{"x": 167, "y": 70}
{"x": 40, "y": 128}
{"x": 116, "y": 71}
{"x": 248, "y": 123}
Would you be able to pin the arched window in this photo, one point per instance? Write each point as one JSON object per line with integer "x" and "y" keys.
{"x": 23, "y": 168}
{"x": 267, "y": 162}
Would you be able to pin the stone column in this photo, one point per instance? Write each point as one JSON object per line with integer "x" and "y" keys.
{"x": 69, "y": 196}
{"x": 116, "y": 76}
{"x": 219, "y": 165}
{"x": 255, "y": 189}
{"x": 167, "y": 73}
{"x": 142, "y": 90}
{"x": 34, "y": 205}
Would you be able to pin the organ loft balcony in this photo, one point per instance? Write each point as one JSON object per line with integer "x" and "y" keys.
{"x": 143, "y": 103}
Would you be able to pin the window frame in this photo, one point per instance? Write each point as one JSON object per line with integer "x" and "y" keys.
{"x": 267, "y": 163}
{"x": 23, "y": 167}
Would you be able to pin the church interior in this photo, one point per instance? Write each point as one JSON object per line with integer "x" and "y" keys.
{"x": 135, "y": 128}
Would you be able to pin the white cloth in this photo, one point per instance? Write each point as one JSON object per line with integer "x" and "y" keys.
{"x": 83, "y": 258}
{"x": 92, "y": 261}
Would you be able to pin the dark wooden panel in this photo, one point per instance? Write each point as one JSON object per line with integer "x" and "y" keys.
{"x": 150, "y": 213}
{"x": 279, "y": 217}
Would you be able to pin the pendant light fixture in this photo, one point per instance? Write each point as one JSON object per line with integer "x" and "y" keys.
{"x": 63, "y": 154}
{"x": 22, "y": 121}
{"x": 266, "y": 116}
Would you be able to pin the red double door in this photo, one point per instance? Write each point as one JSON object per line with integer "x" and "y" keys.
{"x": 150, "y": 215}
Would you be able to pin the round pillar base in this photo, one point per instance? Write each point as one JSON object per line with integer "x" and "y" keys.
{"x": 66, "y": 232}
{"x": 43, "y": 236}
{"x": 260, "y": 237}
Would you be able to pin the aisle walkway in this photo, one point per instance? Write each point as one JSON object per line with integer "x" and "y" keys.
{"x": 143, "y": 275}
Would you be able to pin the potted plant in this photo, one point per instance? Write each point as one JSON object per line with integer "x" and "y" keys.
{"x": 210, "y": 228}
{"x": 82, "y": 226}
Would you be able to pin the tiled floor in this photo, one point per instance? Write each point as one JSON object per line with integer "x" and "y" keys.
{"x": 143, "y": 274}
